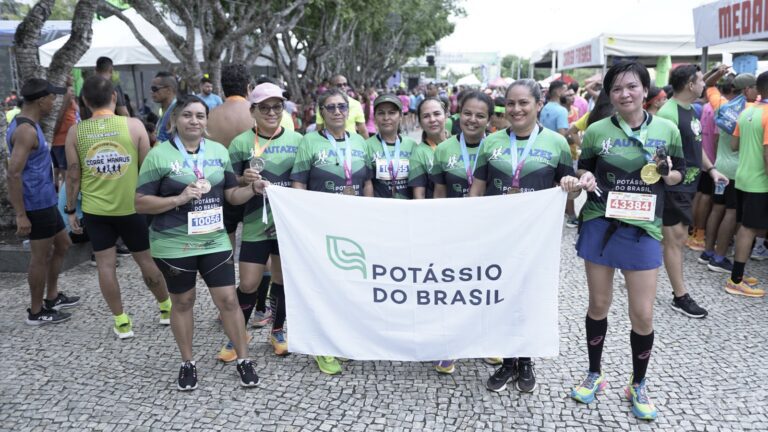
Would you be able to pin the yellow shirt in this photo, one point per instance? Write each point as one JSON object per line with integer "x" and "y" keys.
{"x": 355, "y": 116}
{"x": 581, "y": 124}
{"x": 286, "y": 121}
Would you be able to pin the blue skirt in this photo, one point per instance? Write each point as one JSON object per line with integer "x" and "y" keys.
{"x": 629, "y": 248}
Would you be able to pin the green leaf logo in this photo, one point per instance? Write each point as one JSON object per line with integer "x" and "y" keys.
{"x": 346, "y": 254}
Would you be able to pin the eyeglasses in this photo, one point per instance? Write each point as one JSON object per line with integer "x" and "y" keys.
{"x": 156, "y": 89}
{"x": 265, "y": 109}
{"x": 342, "y": 107}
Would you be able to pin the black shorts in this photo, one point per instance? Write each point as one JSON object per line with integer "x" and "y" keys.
{"x": 105, "y": 230}
{"x": 46, "y": 223}
{"x": 233, "y": 215}
{"x": 59, "y": 157}
{"x": 180, "y": 274}
{"x": 706, "y": 184}
{"x": 678, "y": 208}
{"x": 752, "y": 209}
{"x": 258, "y": 252}
{"x": 727, "y": 198}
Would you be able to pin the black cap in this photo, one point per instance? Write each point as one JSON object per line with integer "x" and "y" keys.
{"x": 388, "y": 98}
{"x": 35, "y": 88}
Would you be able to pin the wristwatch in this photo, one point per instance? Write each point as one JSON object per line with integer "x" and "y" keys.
{"x": 69, "y": 211}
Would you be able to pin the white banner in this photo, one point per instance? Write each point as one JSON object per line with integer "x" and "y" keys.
{"x": 730, "y": 20}
{"x": 385, "y": 279}
{"x": 588, "y": 54}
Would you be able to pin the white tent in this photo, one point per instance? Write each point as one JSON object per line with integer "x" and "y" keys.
{"x": 469, "y": 81}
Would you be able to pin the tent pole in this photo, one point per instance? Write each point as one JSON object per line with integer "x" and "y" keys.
{"x": 704, "y": 58}
{"x": 135, "y": 87}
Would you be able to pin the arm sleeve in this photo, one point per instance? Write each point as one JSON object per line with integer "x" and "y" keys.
{"x": 302, "y": 163}
{"x": 562, "y": 119}
{"x": 715, "y": 98}
{"x": 436, "y": 174}
{"x": 238, "y": 157}
{"x": 581, "y": 124}
{"x": 565, "y": 163}
{"x": 150, "y": 175}
{"x": 230, "y": 181}
{"x": 481, "y": 170}
{"x": 588, "y": 158}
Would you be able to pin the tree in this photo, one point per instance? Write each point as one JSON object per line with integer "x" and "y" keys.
{"x": 515, "y": 67}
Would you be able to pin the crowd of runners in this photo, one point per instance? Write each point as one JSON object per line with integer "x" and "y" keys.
{"x": 663, "y": 169}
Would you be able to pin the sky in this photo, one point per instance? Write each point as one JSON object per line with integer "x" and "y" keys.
{"x": 522, "y": 26}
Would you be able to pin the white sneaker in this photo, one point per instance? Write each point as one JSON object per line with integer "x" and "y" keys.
{"x": 759, "y": 253}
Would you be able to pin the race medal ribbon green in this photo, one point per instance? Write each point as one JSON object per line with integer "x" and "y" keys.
{"x": 465, "y": 156}
{"x": 202, "y": 184}
{"x": 391, "y": 170}
{"x": 517, "y": 163}
{"x": 632, "y": 206}
{"x": 649, "y": 173}
{"x": 205, "y": 221}
{"x": 348, "y": 189}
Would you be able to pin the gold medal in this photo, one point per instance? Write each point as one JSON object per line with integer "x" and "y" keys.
{"x": 348, "y": 190}
{"x": 650, "y": 174}
{"x": 204, "y": 185}
{"x": 513, "y": 191}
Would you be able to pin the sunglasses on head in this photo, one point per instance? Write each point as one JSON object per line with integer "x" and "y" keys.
{"x": 342, "y": 107}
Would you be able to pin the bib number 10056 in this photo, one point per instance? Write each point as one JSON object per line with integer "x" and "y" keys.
{"x": 205, "y": 221}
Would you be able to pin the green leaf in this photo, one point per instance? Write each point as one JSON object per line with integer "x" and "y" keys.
{"x": 346, "y": 254}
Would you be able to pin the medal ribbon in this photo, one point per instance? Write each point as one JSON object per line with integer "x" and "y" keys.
{"x": 259, "y": 150}
{"x": 465, "y": 156}
{"x": 519, "y": 162}
{"x": 194, "y": 158}
{"x": 347, "y": 156}
{"x": 393, "y": 164}
{"x": 641, "y": 137}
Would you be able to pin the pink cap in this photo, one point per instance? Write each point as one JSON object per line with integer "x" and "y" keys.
{"x": 265, "y": 91}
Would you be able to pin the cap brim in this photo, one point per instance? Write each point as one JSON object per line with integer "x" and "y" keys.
{"x": 56, "y": 90}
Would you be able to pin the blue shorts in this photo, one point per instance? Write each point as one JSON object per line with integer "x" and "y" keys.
{"x": 628, "y": 248}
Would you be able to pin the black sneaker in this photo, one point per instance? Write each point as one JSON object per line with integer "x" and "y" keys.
{"x": 248, "y": 377}
{"x": 724, "y": 266}
{"x": 526, "y": 376}
{"x": 62, "y": 301}
{"x": 46, "y": 316}
{"x": 122, "y": 250}
{"x": 498, "y": 381}
{"x": 687, "y": 306}
{"x": 187, "y": 377}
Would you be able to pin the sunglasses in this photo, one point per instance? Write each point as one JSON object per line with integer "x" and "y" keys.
{"x": 265, "y": 109}
{"x": 156, "y": 89}
{"x": 342, "y": 107}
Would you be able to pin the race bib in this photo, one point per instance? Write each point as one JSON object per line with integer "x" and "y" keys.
{"x": 205, "y": 221}
{"x": 635, "y": 206}
{"x": 382, "y": 169}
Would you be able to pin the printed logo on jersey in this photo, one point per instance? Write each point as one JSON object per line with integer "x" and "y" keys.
{"x": 497, "y": 152}
{"x": 696, "y": 128}
{"x": 107, "y": 160}
{"x": 175, "y": 168}
{"x": 606, "y": 147}
{"x": 321, "y": 158}
{"x": 453, "y": 162}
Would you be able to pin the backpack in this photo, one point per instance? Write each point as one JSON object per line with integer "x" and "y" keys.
{"x": 728, "y": 113}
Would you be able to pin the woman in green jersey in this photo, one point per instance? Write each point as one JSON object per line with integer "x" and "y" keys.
{"x": 627, "y": 162}
{"x": 390, "y": 152}
{"x": 524, "y": 157}
{"x": 184, "y": 182}
{"x": 333, "y": 161}
{"x": 431, "y": 116}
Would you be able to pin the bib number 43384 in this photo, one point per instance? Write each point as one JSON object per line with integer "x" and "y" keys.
{"x": 635, "y": 206}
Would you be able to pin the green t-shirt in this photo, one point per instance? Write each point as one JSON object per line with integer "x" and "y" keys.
{"x": 449, "y": 168}
{"x": 752, "y": 130}
{"x": 727, "y": 160}
{"x": 382, "y": 185}
{"x": 616, "y": 161}
{"x": 690, "y": 136}
{"x": 422, "y": 160}
{"x": 109, "y": 166}
{"x": 279, "y": 157}
{"x": 319, "y": 167}
{"x": 166, "y": 172}
{"x": 548, "y": 161}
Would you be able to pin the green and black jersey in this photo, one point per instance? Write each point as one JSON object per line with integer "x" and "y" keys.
{"x": 690, "y": 135}
{"x": 421, "y": 163}
{"x": 617, "y": 159}
{"x": 449, "y": 168}
{"x": 319, "y": 167}
{"x": 382, "y": 183}
{"x": 278, "y": 157}
{"x": 548, "y": 160}
{"x": 166, "y": 172}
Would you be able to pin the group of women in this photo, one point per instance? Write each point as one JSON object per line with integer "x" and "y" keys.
{"x": 524, "y": 157}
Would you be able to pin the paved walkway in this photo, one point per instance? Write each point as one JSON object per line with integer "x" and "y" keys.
{"x": 704, "y": 375}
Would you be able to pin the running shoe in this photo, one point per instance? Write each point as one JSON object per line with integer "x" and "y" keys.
{"x": 261, "y": 319}
{"x": 749, "y": 280}
{"x": 328, "y": 365}
{"x": 571, "y": 221}
{"x": 687, "y": 306}
{"x": 123, "y": 326}
{"x": 694, "y": 243}
{"x": 724, "y": 266}
{"x": 642, "y": 407}
{"x": 585, "y": 392}
{"x": 187, "y": 377}
{"x": 122, "y": 251}
{"x": 47, "y": 316}
{"x": 228, "y": 353}
{"x": 445, "y": 366}
{"x": 759, "y": 252}
{"x": 493, "y": 361}
{"x": 247, "y": 372}
{"x": 165, "y": 312}
{"x": 279, "y": 342}
{"x": 503, "y": 375}
{"x": 526, "y": 376}
{"x": 705, "y": 257}
{"x": 742, "y": 289}
{"x": 62, "y": 301}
